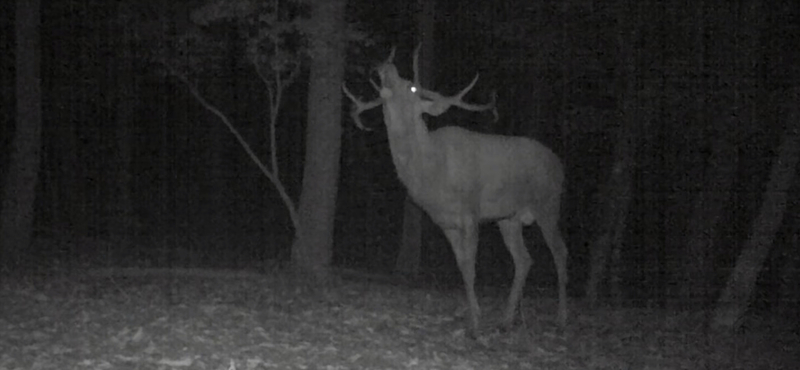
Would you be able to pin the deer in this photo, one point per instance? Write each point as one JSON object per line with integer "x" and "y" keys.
{"x": 462, "y": 178}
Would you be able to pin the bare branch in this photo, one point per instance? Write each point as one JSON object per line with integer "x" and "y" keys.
{"x": 274, "y": 96}
{"x": 416, "y": 66}
{"x": 253, "y": 156}
{"x": 292, "y": 74}
{"x": 377, "y": 88}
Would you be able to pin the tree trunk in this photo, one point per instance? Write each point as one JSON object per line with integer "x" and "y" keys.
{"x": 409, "y": 257}
{"x": 789, "y": 269}
{"x": 617, "y": 192}
{"x": 312, "y": 248}
{"x": 127, "y": 101}
{"x": 708, "y": 209}
{"x": 738, "y": 291}
{"x": 691, "y": 282}
{"x": 19, "y": 192}
{"x": 617, "y": 197}
{"x": 216, "y": 221}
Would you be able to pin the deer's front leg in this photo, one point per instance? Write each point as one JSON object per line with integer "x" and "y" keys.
{"x": 511, "y": 229}
{"x": 464, "y": 241}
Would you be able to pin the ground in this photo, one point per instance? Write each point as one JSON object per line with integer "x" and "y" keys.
{"x": 276, "y": 321}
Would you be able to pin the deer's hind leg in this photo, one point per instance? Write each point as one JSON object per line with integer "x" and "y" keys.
{"x": 554, "y": 240}
{"x": 511, "y": 229}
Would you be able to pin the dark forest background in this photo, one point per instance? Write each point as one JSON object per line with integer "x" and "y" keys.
{"x": 708, "y": 81}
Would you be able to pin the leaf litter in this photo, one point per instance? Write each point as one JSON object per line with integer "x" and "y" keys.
{"x": 275, "y": 321}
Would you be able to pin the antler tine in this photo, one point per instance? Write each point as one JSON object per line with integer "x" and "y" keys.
{"x": 463, "y": 92}
{"x": 443, "y": 103}
{"x": 359, "y": 107}
{"x": 416, "y": 65}
{"x": 374, "y": 85}
{"x": 452, "y": 100}
{"x": 390, "y": 59}
{"x": 457, "y": 99}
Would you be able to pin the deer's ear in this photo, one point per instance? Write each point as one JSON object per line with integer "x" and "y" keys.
{"x": 434, "y": 108}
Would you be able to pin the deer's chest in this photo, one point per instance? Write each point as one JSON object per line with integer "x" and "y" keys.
{"x": 442, "y": 194}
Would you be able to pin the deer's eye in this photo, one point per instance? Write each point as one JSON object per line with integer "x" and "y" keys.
{"x": 413, "y": 89}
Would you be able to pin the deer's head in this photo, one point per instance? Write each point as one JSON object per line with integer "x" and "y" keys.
{"x": 406, "y": 100}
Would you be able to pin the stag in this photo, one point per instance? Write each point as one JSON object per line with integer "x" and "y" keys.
{"x": 462, "y": 178}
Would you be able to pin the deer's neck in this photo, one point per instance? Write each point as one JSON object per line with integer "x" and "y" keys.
{"x": 412, "y": 150}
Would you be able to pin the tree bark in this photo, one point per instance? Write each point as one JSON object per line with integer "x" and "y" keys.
{"x": 789, "y": 269}
{"x": 617, "y": 192}
{"x": 19, "y": 192}
{"x": 708, "y": 209}
{"x": 312, "y": 248}
{"x": 617, "y": 197}
{"x": 738, "y": 292}
{"x": 691, "y": 283}
{"x": 410, "y": 254}
{"x": 126, "y": 101}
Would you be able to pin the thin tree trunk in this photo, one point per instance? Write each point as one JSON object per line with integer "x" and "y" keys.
{"x": 617, "y": 197}
{"x": 617, "y": 192}
{"x": 708, "y": 208}
{"x": 789, "y": 290}
{"x": 692, "y": 269}
{"x": 409, "y": 257}
{"x": 789, "y": 269}
{"x": 738, "y": 292}
{"x": 123, "y": 218}
{"x": 217, "y": 219}
{"x": 19, "y": 192}
{"x": 312, "y": 248}
{"x": 127, "y": 101}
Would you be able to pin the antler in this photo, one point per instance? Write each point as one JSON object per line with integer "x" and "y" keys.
{"x": 436, "y": 104}
{"x": 391, "y": 56}
{"x": 359, "y": 106}
{"x": 443, "y": 103}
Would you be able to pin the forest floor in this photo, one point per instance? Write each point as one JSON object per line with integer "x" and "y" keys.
{"x": 275, "y": 321}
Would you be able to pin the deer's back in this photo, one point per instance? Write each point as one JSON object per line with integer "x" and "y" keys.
{"x": 500, "y": 174}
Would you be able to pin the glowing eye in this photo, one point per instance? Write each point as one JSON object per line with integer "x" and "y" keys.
{"x": 413, "y": 89}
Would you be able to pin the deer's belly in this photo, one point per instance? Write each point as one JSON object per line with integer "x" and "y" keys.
{"x": 452, "y": 213}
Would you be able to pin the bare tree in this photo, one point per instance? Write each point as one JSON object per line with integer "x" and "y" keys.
{"x": 738, "y": 291}
{"x": 19, "y": 192}
{"x": 126, "y": 101}
{"x": 270, "y": 33}
{"x": 266, "y": 33}
{"x": 709, "y": 205}
{"x": 312, "y": 248}
{"x": 617, "y": 193}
